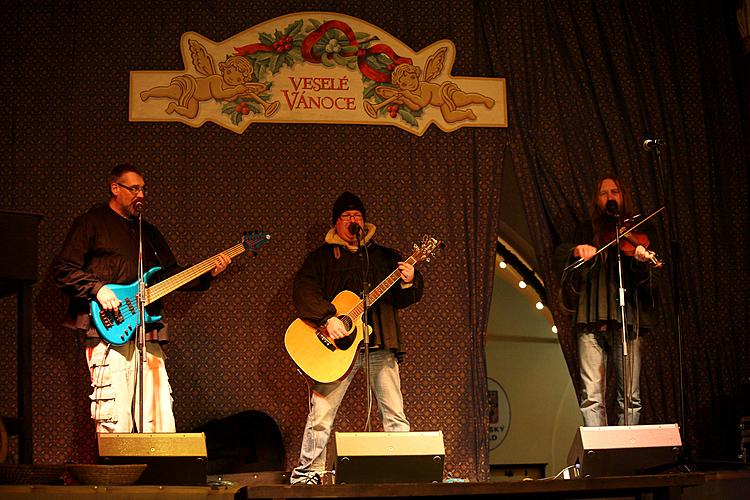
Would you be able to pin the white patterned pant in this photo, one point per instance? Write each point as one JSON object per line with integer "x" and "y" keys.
{"x": 114, "y": 399}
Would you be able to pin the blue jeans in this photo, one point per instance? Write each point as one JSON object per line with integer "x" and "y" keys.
{"x": 325, "y": 401}
{"x": 594, "y": 348}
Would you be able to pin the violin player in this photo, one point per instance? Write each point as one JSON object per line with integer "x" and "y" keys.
{"x": 590, "y": 292}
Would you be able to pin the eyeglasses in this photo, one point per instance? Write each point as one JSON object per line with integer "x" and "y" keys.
{"x": 350, "y": 216}
{"x": 133, "y": 189}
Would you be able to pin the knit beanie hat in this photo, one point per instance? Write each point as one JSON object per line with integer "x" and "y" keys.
{"x": 347, "y": 201}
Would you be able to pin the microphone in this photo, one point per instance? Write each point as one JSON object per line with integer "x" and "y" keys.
{"x": 354, "y": 229}
{"x": 612, "y": 208}
{"x": 138, "y": 206}
{"x": 650, "y": 144}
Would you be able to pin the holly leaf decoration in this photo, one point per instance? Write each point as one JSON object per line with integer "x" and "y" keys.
{"x": 293, "y": 28}
{"x": 265, "y": 39}
{"x": 278, "y": 60}
{"x": 408, "y": 116}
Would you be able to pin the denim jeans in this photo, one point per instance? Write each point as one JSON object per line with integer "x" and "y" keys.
{"x": 325, "y": 401}
{"x": 594, "y": 347}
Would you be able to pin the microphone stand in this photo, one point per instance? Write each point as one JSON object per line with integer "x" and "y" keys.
{"x": 141, "y": 332}
{"x": 365, "y": 328}
{"x": 625, "y": 359}
{"x": 674, "y": 276}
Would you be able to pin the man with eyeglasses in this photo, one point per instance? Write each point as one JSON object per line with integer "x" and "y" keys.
{"x": 332, "y": 268}
{"x": 102, "y": 248}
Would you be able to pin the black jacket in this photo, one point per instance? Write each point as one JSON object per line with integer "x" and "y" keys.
{"x": 333, "y": 268}
{"x": 102, "y": 248}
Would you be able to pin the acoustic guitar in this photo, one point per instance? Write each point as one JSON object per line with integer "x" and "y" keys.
{"x": 324, "y": 359}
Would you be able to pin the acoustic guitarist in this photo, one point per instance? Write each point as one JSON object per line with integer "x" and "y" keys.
{"x": 101, "y": 248}
{"x": 334, "y": 267}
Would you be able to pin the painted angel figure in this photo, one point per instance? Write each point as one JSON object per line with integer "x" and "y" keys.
{"x": 232, "y": 81}
{"x": 416, "y": 93}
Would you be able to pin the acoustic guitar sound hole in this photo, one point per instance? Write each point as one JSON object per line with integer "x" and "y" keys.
{"x": 347, "y": 341}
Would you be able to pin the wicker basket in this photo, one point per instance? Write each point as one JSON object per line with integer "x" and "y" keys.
{"x": 106, "y": 475}
{"x": 31, "y": 473}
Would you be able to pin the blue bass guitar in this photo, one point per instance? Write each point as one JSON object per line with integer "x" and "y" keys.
{"x": 117, "y": 327}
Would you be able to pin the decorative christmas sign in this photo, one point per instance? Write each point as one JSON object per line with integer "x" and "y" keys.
{"x": 317, "y": 67}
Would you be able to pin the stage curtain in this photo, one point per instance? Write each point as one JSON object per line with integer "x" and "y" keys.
{"x": 588, "y": 82}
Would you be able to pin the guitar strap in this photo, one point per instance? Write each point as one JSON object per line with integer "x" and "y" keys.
{"x": 151, "y": 245}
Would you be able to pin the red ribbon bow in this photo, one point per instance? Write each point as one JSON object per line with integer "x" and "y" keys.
{"x": 367, "y": 70}
{"x": 309, "y": 42}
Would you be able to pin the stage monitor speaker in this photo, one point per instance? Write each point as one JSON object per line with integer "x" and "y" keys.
{"x": 624, "y": 450}
{"x": 389, "y": 457}
{"x": 172, "y": 458}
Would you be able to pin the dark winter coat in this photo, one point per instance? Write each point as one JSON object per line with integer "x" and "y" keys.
{"x": 333, "y": 268}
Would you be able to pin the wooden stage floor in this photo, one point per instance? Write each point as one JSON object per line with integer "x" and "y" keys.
{"x": 689, "y": 486}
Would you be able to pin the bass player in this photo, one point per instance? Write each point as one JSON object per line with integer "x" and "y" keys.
{"x": 102, "y": 248}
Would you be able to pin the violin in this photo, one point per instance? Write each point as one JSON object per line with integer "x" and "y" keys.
{"x": 630, "y": 240}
